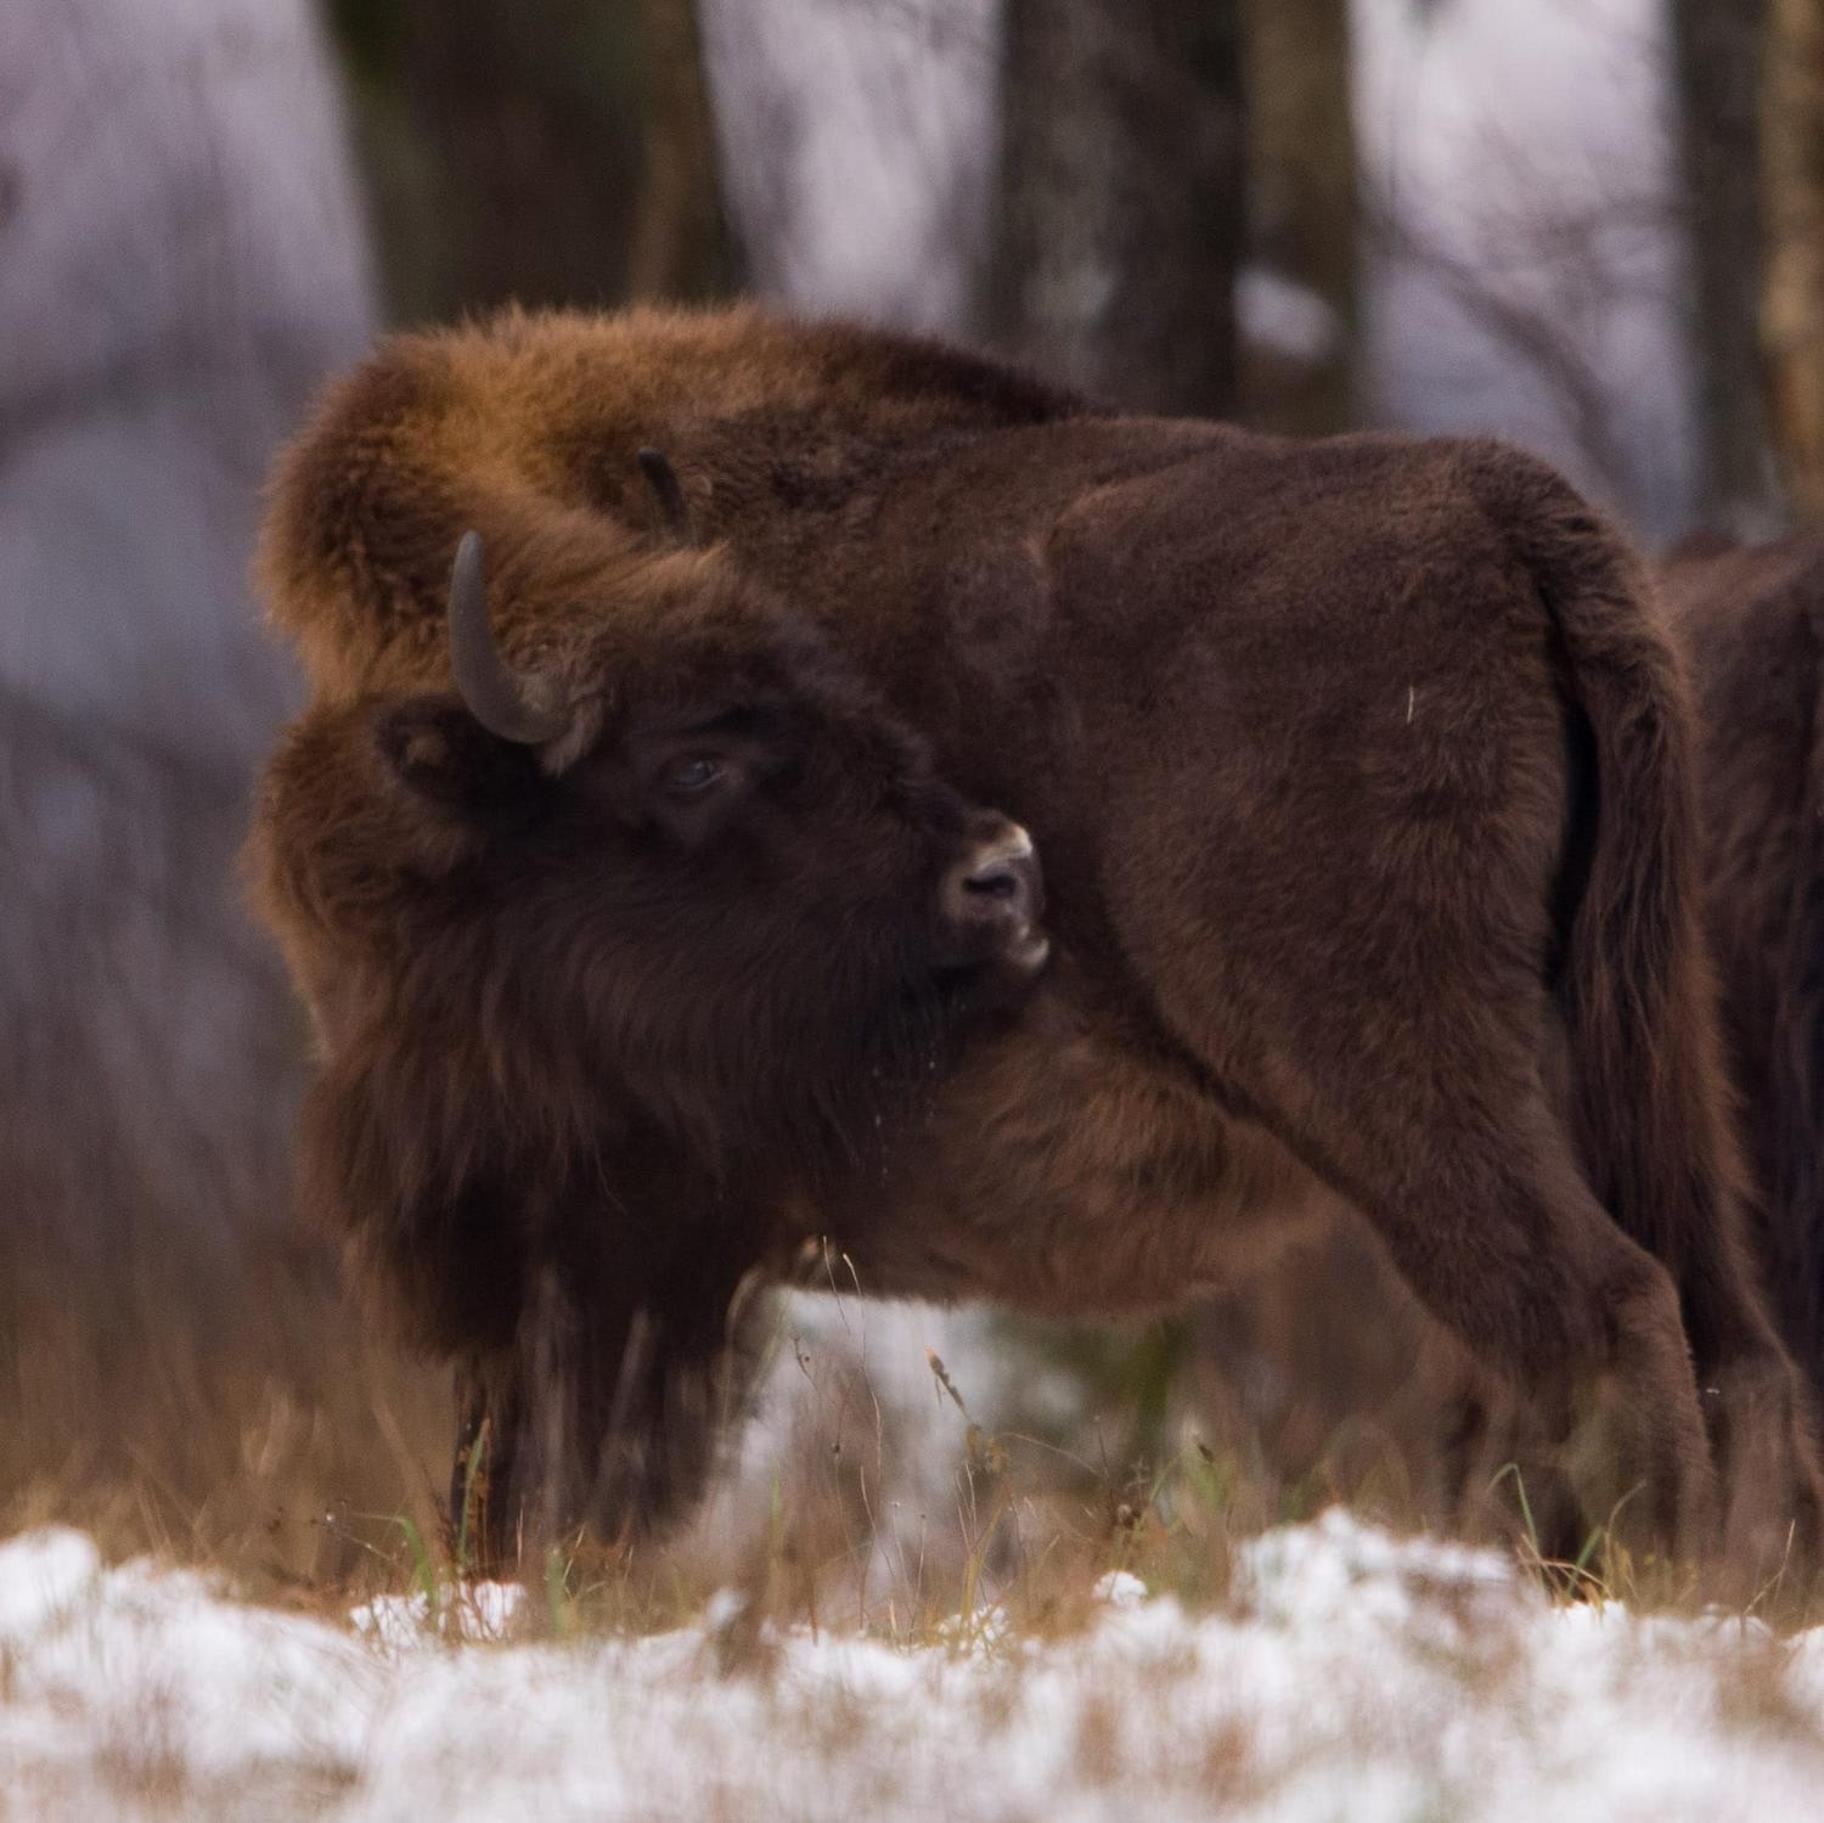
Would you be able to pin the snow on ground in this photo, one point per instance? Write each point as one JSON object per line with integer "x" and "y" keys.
{"x": 1352, "y": 1675}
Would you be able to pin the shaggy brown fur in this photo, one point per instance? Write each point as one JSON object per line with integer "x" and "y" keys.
{"x": 1754, "y": 623}
{"x": 1360, "y": 773}
{"x": 584, "y": 1031}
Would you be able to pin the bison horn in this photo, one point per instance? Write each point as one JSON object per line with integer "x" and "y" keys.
{"x": 497, "y": 696}
{"x": 668, "y": 490}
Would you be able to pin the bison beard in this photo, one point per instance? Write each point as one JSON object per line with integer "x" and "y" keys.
{"x": 1362, "y": 777}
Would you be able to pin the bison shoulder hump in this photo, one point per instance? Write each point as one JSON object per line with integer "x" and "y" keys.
{"x": 361, "y": 517}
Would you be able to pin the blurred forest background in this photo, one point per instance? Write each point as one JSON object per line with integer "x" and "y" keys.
{"x": 1595, "y": 226}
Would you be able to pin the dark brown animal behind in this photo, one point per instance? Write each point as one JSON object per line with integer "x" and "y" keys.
{"x": 1360, "y": 771}
{"x": 1754, "y": 623}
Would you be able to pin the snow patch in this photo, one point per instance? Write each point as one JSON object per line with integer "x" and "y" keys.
{"x": 1357, "y": 1674}
{"x": 475, "y": 1611}
{"x": 41, "y": 1575}
{"x": 1120, "y": 1589}
{"x": 1280, "y": 314}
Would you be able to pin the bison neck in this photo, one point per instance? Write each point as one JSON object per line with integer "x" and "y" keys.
{"x": 1064, "y": 1169}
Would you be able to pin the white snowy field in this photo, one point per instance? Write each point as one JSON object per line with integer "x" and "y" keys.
{"x": 1349, "y": 1675}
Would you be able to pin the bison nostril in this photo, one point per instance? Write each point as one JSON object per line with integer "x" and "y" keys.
{"x": 997, "y": 886}
{"x": 990, "y": 901}
{"x": 1001, "y": 880}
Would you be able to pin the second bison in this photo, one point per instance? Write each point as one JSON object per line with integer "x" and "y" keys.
{"x": 1753, "y": 620}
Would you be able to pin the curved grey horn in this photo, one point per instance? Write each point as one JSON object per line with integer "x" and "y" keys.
{"x": 497, "y": 696}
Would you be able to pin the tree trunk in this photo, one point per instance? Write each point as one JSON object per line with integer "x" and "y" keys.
{"x": 186, "y": 264}
{"x": 1792, "y": 312}
{"x": 1121, "y": 197}
{"x": 1298, "y": 371}
{"x": 1718, "y": 49}
{"x": 680, "y": 249}
{"x": 553, "y": 152}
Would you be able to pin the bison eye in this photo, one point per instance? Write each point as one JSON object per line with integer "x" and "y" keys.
{"x": 692, "y": 776}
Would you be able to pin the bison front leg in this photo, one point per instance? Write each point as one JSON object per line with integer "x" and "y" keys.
{"x": 602, "y": 1419}
{"x": 484, "y": 1506}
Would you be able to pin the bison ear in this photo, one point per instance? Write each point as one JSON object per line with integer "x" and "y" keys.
{"x": 668, "y": 492}
{"x": 436, "y": 748}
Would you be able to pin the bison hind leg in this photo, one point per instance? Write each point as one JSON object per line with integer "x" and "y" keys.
{"x": 1505, "y": 1244}
{"x": 1450, "y": 1146}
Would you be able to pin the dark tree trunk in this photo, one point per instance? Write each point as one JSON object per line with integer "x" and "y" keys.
{"x": 1792, "y": 302}
{"x": 1121, "y": 201}
{"x": 1719, "y": 49}
{"x": 680, "y": 245}
{"x": 553, "y": 151}
{"x": 1301, "y": 142}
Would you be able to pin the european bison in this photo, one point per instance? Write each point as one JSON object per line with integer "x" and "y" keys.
{"x": 1753, "y": 621}
{"x": 1361, "y": 776}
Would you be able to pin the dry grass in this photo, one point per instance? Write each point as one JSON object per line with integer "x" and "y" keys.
{"x": 219, "y": 1409}
{"x": 237, "y": 1414}
{"x": 908, "y": 1497}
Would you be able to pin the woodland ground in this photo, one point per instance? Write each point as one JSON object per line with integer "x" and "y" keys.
{"x": 1344, "y": 1674}
{"x": 888, "y": 1610}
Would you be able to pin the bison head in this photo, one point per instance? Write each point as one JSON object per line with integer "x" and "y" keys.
{"x": 725, "y": 860}
{"x": 688, "y": 892}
